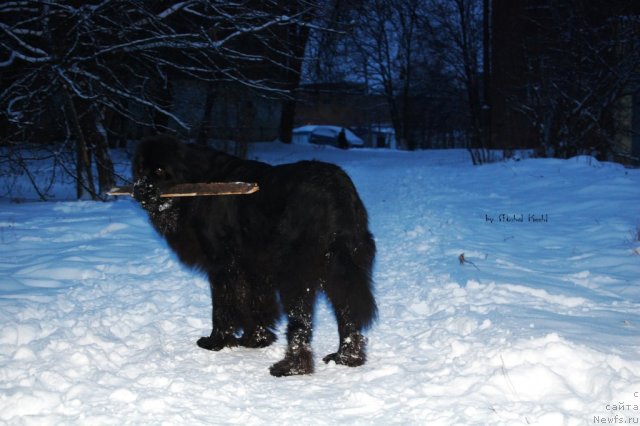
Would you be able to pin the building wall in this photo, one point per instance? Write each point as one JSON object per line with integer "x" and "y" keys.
{"x": 340, "y": 107}
{"x": 236, "y": 112}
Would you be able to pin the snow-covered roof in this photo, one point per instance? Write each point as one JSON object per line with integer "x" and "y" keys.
{"x": 328, "y": 131}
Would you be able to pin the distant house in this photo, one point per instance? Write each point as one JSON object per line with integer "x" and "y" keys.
{"x": 324, "y": 135}
{"x": 383, "y": 137}
{"x": 342, "y": 104}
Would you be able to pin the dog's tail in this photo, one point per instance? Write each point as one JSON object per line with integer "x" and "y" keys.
{"x": 352, "y": 254}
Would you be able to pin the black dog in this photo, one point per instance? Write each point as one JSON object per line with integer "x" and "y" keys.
{"x": 305, "y": 230}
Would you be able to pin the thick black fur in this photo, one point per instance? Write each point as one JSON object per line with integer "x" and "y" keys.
{"x": 303, "y": 232}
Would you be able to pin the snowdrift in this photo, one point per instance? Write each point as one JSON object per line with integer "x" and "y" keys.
{"x": 539, "y": 325}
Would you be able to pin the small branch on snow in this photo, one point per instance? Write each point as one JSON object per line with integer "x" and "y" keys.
{"x": 463, "y": 260}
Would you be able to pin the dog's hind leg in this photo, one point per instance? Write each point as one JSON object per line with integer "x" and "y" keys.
{"x": 298, "y": 359}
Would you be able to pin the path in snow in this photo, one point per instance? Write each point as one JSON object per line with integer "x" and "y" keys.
{"x": 98, "y": 321}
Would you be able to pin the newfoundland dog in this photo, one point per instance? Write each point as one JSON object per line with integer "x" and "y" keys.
{"x": 303, "y": 232}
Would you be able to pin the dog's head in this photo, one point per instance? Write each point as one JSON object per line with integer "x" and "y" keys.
{"x": 157, "y": 165}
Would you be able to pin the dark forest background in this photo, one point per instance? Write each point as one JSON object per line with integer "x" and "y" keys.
{"x": 560, "y": 78}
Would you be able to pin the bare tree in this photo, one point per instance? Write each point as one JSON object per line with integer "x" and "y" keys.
{"x": 292, "y": 44}
{"x": 580, "y": 59}
{"x": 459, "y": 28}
{"x": 102, "y": 62}
{"x": 388, "y": 47}
{"x": 421, "y": 55}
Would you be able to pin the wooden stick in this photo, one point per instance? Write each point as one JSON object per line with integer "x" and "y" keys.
{"x": 197, "y": 189}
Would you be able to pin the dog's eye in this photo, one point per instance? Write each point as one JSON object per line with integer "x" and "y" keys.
{"x": 160, "y": 172}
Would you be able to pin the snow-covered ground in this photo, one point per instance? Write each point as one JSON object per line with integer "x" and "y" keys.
{"x": 539, "y": 325}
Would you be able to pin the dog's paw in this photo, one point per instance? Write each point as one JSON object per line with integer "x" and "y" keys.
{"x": 216, "y": 343}
{"x": 261, "y": 337}
{"x": 351, "y": 352}
{"x": 293, "y": 364}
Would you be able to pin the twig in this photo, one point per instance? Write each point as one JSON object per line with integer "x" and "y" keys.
{"x": 463, "y": 260}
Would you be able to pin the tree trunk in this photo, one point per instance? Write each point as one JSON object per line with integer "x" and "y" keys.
{"x": 95, "y": 137}
{"x": 297, "y": 38}
{"x": 104, "y": 164}
{"x": 205, "y": 124}
{"x": 287, "y": 118}
{"x": 486, "y": 71}
{"x": 84, "y": 175}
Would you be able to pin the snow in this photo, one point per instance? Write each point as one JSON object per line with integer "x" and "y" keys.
{"x": 98, "y": 320}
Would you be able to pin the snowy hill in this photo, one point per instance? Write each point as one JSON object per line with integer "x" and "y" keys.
{"x": 537, "y": 323}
